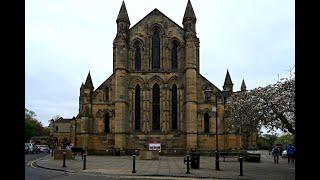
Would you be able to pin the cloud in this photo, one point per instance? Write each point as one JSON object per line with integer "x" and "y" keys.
{"x": 67, "y": 38}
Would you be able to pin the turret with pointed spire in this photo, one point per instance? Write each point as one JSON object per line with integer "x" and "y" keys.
{"x": 189, "y": 19}
{"x": 81, "y": 87}
{"x": 120, "y": 68}
{"x": 88, "y": 84}
{"x": 81, "y": 96}
{"x": 228, "y": 85}
{"x": 86, "y": 90}
{"x": 123, "y": 22}
{"x": 243, "y": 86}
{"x": 191, "y": 72}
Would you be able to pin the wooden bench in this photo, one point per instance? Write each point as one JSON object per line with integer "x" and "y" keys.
{"x": 76, "y": 150}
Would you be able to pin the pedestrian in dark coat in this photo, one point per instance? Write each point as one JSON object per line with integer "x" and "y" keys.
{"x": 290, "y": 153}
{"x": 276, "y": 154}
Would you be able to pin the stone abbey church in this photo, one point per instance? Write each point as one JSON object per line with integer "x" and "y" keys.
{"x": 155, "y": 94}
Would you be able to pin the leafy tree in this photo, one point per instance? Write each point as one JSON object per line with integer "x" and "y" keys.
{"x": 262, "y": 142}
{"x": 46, "y": 131}
{"x": 266, "y": 141}
{"x": 32, "y": 126}
{"x": 285, "y": 139}
{"x": 272, "y": 106}
{"x": 276, "y": 108}
{"x": 239, "y": 110}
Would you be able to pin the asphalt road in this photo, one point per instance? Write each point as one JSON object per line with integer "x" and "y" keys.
{"x": 36, "y": 173}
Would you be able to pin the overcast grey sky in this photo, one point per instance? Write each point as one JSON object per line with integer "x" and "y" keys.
{"x": 65, "y": 39}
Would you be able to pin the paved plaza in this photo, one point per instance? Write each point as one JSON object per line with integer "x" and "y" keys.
{"x": 174, "y": 167}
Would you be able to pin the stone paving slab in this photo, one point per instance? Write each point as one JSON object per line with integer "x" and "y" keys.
{"x": 174, "y": 166}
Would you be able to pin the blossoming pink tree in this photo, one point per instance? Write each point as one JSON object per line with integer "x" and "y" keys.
{"x": 272, "y": 106}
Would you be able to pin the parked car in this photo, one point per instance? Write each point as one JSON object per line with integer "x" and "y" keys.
{"x": 252, "y": 155}
{"x": 26, "y": 148}
{"x": 284, "y": 154}
{"x": 69, "y": 147}
{"x": 33, "y": 148}
{"x": 44, "y": 148}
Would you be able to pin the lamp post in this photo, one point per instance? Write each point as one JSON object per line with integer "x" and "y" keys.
{"x": 215, "y": 111}
{"x": 75, "y": 133}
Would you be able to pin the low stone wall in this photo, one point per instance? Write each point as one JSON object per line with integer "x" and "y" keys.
{"x": 58, "y": 154}
{"x": 98, "y": 152}
{"x": 173, "y": 152}
{"x": 149, "y": 155}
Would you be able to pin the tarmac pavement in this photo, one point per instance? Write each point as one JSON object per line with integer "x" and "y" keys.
{"x": 173, "y": 167}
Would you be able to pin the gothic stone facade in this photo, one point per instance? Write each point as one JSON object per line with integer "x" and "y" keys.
{"x": 62, "y": 131}
{"x": 156, "y": 92}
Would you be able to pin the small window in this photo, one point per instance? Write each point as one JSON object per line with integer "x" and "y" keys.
{"x": 207, "y": 97}
{"x": 137, "y": 108}
{"x": 57, "y": 129}
{"x": 107, "y": 93}
{"x": 156, "y": 107}
{"x": 137, "y": 58}
{"x": 174, "y": 55}
{"x": 206, "y": 123}
{"x": 156, "y": 50}
{"x": 174, "y": 110}
{"x": 106, "y": 123}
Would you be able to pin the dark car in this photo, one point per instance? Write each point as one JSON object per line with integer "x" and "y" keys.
{"x": 253, "y": 155}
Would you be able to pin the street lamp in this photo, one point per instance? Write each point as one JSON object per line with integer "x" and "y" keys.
{"x": 215, "y": 111}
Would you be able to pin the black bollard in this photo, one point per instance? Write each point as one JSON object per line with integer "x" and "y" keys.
{"x": 188, "y": 164}
{"x": 134, "y": 164}
{"x": 51, "y": 152}
{"x": 84, "y": 161}
{"x": 64, "y": 159}
{"x": 187, "y": 161}
{"x": 241, "y": 170}
{"x": 217, "y": 161}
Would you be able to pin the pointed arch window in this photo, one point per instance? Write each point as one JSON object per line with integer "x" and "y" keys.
{"x": 174, "y": 55}
{"x": 106, "y": 91}
{"x": 174, "y": 108}
{"x": 206, "y": 123}
{"x": 106, "y": 123}
{"x": 137, "y": 58}
{"x": 137, "y": 110}
{"x": 155, "y": 49}
{"x": 155, "y": 107}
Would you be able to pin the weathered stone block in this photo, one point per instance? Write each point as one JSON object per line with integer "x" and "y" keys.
{"x": 58, "y": 154}
{"x": 149, "y": 155}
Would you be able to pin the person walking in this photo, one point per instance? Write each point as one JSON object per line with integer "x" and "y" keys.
{"x": 290, "y": 152}
{"x": 276, "y": 153}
